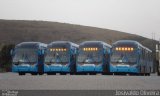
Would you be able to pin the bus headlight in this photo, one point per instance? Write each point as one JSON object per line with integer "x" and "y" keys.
{"x": 135, "y": 65}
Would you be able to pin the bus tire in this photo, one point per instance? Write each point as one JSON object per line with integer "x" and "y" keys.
{"x": 92, "y": 73}
{"x": 105, "y": 73}
{"x": 78, "y": 74}
{"x": 63, "y": 73}
{"x": 21, "y": 73}
{"x": 40, "y": 73}
{"x": 72, "y": 73}
{"x": 133, "y": 74}
{"x": 142, "y": 74}
{"x": 81, "y": 73}
{"x": 146, "y": 74}
{"x": 51, "y": 73}
{"x": 33, "y": 73}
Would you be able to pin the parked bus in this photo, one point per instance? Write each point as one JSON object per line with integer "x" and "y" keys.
{"x": 130, "y": 57}
{"x": 93, "y": 57}
{"x": 60, "y": 57}
{"x": 28, "y": 58}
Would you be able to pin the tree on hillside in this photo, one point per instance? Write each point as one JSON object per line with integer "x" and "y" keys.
{"x": 5, "y": 57}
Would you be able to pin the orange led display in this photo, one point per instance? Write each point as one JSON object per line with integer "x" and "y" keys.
{"x": 124, "y": 49}
{"x": 58, "y": 49}
{"x": 90, "y": 49}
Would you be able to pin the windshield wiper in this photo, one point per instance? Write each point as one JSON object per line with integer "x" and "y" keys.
{"x": 56, "y": 58}
{"x": 28, "y": 59}
{"x": 50, "y": 61}
{"x": 59, "y": 59}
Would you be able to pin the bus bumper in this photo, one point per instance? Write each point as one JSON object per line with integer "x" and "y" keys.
{"x": 126, "y": 69}
{"x": 89, "y": 68}
{"x": 55, "y": 68}
{"x": 19, "y": 68}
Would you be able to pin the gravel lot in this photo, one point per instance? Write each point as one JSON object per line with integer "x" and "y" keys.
{"x": 77, "y": 82}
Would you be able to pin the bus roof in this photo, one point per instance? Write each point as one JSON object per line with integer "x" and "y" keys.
{"x": 31, "y": 44}
{"x": 94, "y": 42}
{"x": 131, "y": 42}
{"x": 63, "y": 42}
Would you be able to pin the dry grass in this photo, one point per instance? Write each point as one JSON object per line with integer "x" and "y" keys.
{"x": 16, "y": 31}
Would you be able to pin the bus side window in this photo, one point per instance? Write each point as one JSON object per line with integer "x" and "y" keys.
{"x": 143, "y": 55}
{"x": 147, "y": 56}
{"x": 140, "y": 55}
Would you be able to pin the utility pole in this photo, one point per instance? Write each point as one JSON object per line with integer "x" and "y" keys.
{"x": 158, "y": 57}
{"x": 154, "y": 53}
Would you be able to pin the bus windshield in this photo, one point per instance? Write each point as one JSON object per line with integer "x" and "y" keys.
{"x": 57, "y": 56}
{"x": 124, "y": 57}
{"x": 25, "y": 55}
{"x": 90, "y": 57}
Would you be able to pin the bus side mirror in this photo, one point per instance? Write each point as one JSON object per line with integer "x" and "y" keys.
{"x": 39, "y": 51}
{"x": 12, "y": 52}
{"x": 42, "y": 52}
{"x": 77, "y": 51}
{"x": 109, "y": 51}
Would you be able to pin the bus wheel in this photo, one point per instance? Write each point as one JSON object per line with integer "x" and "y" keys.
{"x": 146, "y": 74}
{"x": 51, "y": 73}
{"x": 84, "y": 73}
{"x": 92, "y": 73}
{"x": 142, "y": 74}
{"x": 33, "y": 73}
{"x": 81, "y": 73}
{"x": 105, "y": 74}
{"x": 78, "y": 73}
{"x": 72, "y": 73}
{"x": 21, "y": 73}
{"x": 119, "y": 73}
{"x": 133, "y": 74}
{"x": 40, "y": 73}
{"x": 63, "y": 73}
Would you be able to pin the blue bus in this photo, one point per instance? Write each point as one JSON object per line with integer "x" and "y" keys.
{"x": 130, "y": 57}
{"x": 93, "y": 57}
{"x": 27, "y": 57}
{"x": 60, "y": 57}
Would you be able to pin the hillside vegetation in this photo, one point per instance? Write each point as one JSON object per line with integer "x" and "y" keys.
{"x": 16, "y": 31}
